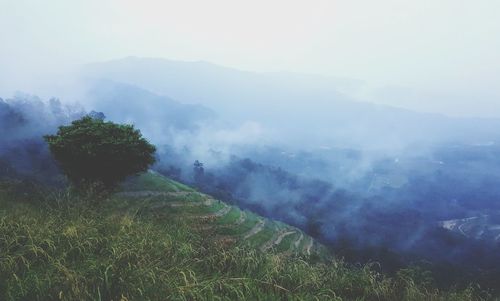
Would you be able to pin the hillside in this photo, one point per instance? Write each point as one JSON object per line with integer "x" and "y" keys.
{"x": 157, "y": 114}
{"x": 157, "y": 239}
{"x": 216, "y": 219}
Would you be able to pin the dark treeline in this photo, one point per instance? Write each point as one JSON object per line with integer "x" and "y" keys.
{"x": 24, "y": 119}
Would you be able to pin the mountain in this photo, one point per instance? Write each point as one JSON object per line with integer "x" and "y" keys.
{"x": 157, "y": 115}
{"x": 298, "y": 109}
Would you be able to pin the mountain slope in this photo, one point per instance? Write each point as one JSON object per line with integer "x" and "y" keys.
{"x": 156, "y": 115}
{"x": 159, "y": 240}
{"x": 224, "y": 223}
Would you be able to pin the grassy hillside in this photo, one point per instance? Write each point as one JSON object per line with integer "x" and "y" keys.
{"x": 220, "y": 222}
{"x": 160, "y": 240}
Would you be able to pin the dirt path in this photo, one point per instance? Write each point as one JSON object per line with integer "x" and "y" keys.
{"x": 465, "y": 221}
{"x": 256, "y": 229}
{"x": 309, "y": 246}
{"x": 459, "y": 224}
{"x": 208, "y": 202}
{"x": 281, "y": 236}
{"x": 241, "y": 219}
{"x": 145, "y": 193}
{"x": 298, "y": 241}
{"x": 276, "y": 240}
{"x": 223, "y": 211}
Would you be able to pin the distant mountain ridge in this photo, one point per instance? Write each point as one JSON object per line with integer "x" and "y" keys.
{"x": 155, "y": 114}
{"x": 309, "y": 108}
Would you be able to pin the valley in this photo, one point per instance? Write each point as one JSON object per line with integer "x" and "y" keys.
{"x": 485, "y": 227}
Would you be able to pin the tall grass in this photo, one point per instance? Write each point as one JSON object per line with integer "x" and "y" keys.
{"x": 61, "y": 248}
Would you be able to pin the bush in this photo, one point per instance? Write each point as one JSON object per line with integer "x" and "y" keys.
{"x": 92, "y": 152}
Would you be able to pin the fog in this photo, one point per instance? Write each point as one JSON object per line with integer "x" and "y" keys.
{"x": 432, "y": 56}
{"x": 368, "y": 125}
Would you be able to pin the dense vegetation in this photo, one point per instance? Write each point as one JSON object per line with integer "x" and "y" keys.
{"x": 57, "y": 246}
{"x": 91, "y": 150}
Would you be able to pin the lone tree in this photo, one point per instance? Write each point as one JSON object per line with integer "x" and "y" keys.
{"x": 199, "y": 172}
{"x": 91, "y": 151}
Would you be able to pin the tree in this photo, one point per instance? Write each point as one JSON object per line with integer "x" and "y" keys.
{"x": 199, "y": 172}
{"x": 91, "y": 151}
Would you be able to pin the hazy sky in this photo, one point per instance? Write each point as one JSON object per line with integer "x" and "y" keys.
{"x": 427, "y": 55}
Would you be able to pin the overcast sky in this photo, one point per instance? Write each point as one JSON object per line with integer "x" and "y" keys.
{"x": 427, "y": 55}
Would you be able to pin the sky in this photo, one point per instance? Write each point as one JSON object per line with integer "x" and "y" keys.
{"x": 426, "y": 55}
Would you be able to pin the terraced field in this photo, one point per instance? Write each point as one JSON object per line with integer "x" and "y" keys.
{"x": 225, "y": 223}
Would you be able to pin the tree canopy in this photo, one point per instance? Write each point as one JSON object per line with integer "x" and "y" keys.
{"x": 91, "y": 150}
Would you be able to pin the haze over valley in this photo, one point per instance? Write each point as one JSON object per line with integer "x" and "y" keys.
{"x": 397, "y": 165}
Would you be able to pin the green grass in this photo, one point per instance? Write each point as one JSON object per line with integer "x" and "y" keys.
{"x": 287, "y": 242}
{"x": 153, "y": 182}
{"x": 58, "y": 247}
{"x": 262, "y": 237}
{"x": 304, "y": 242}
{"x": 239, "y": 230}
{"x": 230, "y": 218}
{"x": 216, "y": 206}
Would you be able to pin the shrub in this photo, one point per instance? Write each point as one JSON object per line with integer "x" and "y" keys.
{"x": 93, "y": 152}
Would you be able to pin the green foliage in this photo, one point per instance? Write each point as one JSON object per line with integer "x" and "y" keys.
{"x": 155, "y": 182}
{"x": 54, "y": 246}
{"x": 94, "y": 152}
{"x": 67, "y": 250}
